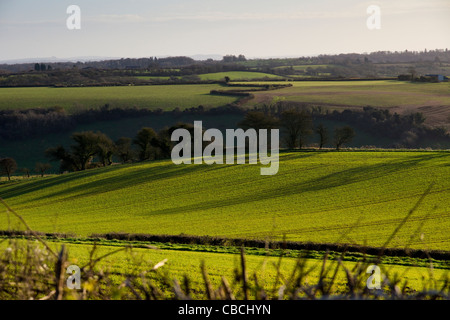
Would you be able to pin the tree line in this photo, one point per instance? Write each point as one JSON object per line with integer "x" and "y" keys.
{"x": 8, "y": 166}
{"x": 406, "y": 56}
{"x": 297, "y": 128}
{"x": 405, "y": 131}
{"x": 95, "y": 149}
{"x": 299, "y": 124}
{"x": 22, "y": 124}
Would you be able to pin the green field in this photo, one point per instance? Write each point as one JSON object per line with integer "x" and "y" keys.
{"x": 220, "y": 76}
{"x": 432, "y": 99}
{"x": 304, "y": 67}
{"x": 323, "y": 197}
{"x": 166, "y": 97}
{"x": 238, "y": 75}
{"x": 162, "y": 78}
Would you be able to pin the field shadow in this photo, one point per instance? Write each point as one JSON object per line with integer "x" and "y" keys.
{"x": 134, "y": 178}
{"x": 130, "y": 179}
{"x": 146, "y": 175}
{"x": 337, "y": 179}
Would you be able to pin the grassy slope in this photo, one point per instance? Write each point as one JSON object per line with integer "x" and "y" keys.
{"x": 315, "y": 197}
{"x": 166, "y": 97}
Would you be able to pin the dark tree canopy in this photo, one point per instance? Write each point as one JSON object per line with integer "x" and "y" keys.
{"x": 124, "y": 150}
{"x": 258, "y": 120}
{"x": 143, "y": 140}
{"x": 163, "y": 144}
{"x": 105, "y": 149}
{"x": 87, "y": 145}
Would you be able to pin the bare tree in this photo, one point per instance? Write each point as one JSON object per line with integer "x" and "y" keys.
{"x": 42, "y": 168}
{"x": 322, "y": 131}
{"x": 298, "y": 127}
{"x": 8, "y": 166}
{"x": 343, "y": 135}
{"x": 26, "y": 172}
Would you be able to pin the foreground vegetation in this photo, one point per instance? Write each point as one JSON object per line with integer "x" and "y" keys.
{"x": 31, "y": 271}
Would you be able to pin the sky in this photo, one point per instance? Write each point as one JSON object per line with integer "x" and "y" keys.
{"x": 255, "y": 28}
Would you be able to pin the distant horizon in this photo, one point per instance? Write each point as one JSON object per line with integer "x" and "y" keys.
{"x": 54, "y": 59}
{"x": 254, "y": 28}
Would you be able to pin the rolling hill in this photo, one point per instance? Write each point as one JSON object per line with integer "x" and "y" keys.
{"x": 323, "y": 197}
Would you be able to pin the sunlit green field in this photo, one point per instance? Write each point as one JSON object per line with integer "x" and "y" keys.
{"x": 325, "y": 197}
{"x": 153, "y": 77}
{"x": 238, "y": 75}
{"x": 304, "y": 67}
{"x": 166, "y": 97}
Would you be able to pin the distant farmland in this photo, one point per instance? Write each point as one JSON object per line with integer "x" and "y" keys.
{"x": 322, "y": 197}
{"x": 432, "y": 99}
{"x": 238, "y": 75}
{"x": 384, "y": 94}
{"x": 166, "y": 97}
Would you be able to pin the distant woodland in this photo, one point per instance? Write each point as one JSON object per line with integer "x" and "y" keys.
{"x": 381, "y": 64}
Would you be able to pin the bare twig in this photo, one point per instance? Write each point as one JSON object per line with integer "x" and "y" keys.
{"x": 27, "y": 226}
{"x": 244, "y": 275}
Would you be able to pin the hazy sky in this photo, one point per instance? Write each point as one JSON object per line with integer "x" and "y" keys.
{"x": 255, "y": 28}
